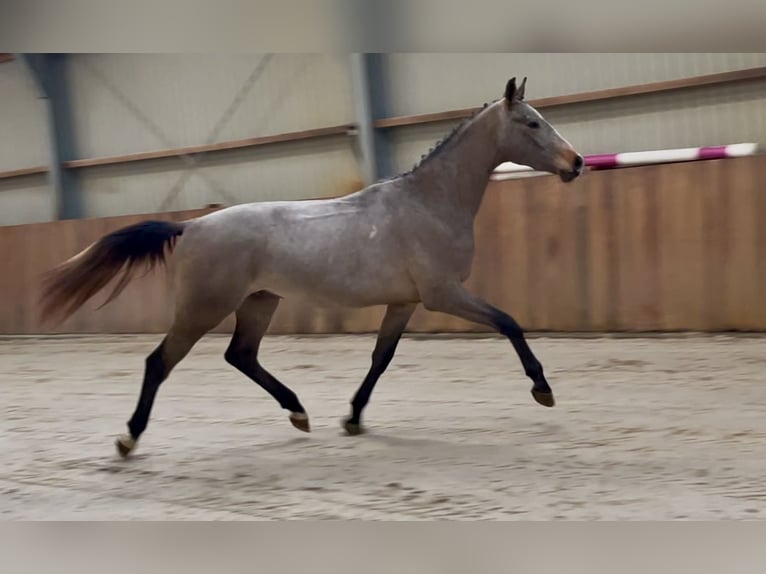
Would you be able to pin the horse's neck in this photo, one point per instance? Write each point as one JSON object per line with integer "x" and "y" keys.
{"x": 454, "y": 180}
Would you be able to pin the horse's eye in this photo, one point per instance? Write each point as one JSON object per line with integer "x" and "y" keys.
{"x": 533, "y": 124}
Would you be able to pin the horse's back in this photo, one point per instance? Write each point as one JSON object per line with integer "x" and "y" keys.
{"x": 343, "y": 249}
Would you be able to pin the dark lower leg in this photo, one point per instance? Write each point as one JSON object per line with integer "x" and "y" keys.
{"x": 532, "y": 367}
{"x": 197, "y": 311}
{"x": 174, "y": 347}
{"x": 253, "y": 318}
{"x": 243, "y": 356}
{"x": 154, "y": 373}
{"x": 381, "y": 358}
{"x": 389, "y": 335}
{"x": 457, "y": 301}
{"x": 159, "y": 363}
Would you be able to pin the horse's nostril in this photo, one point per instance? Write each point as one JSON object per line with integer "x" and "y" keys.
{"x": 578, "y": 162}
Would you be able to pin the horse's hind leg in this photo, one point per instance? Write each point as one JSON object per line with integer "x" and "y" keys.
{"x": 253, "y": 318}
{"x": 191, "y": 322}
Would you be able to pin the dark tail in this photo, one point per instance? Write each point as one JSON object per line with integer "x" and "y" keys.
{"x": 72, "y": 283}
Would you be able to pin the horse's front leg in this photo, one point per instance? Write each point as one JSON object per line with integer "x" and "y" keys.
{"x": 453, "y": 299}
{"x": 390, "y": 332}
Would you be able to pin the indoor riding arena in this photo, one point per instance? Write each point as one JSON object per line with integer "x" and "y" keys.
{"x": 640, "y": 286}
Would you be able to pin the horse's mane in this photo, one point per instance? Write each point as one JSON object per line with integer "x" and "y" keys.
{"x": 440, "y": 145}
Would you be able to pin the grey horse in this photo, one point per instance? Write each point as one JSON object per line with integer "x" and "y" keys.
{"x": 398, "y": 242}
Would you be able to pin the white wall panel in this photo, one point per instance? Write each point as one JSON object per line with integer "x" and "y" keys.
{"x": 297, "y": 170}
{"x": 424, "y": 83}
{"x": 23, "y": 135}
{"x": 25, "y": 200}
{"x": 185, "y": 95}
{"x": 23, "y": 144}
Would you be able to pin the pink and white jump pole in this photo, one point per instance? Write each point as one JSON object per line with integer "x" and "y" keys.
{"x": 615, "y": 160}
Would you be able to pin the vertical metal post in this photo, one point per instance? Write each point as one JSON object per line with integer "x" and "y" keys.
{"x": 363, "y": 114}
{"x": 368, "y": 83}
{"x": 49, "y": 73}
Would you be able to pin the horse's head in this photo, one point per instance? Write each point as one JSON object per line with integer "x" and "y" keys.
{"x": 526, "y": 138}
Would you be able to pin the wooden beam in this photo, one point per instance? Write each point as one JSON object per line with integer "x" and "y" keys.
{"x": 23, "y": 171}
{"x": 221, "y": 146}
{"x": 344, "y": 129}
{"x": 592, "y": 96}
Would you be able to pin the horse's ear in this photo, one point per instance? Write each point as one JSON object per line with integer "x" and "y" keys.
{"x": 520, "y": 90}
{"x": 510, "y": 89}
{"x": 512, "y": 92}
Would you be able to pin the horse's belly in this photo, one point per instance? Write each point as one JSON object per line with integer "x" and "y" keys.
{"x": 352, "y": 288}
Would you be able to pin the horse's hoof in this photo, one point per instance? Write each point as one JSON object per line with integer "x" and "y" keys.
{"x": 300, "y": 421}
{"x": 353, "y": 429}
{"x": 125, "y": 445}
{"x": 545, "y": 399}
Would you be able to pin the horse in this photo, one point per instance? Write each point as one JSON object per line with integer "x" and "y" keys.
{"x": 399, "y": 242}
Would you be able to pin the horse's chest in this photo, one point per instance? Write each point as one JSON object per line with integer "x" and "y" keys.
{"x": 461, "y": 255}
{"x": 464, "y": 266}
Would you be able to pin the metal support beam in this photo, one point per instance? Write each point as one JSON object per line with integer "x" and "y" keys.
{"x": 368, "y": 82}
{"x": 49, "y": 72}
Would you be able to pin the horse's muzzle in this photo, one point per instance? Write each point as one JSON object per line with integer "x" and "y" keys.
{"x": 577, "y": 166}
